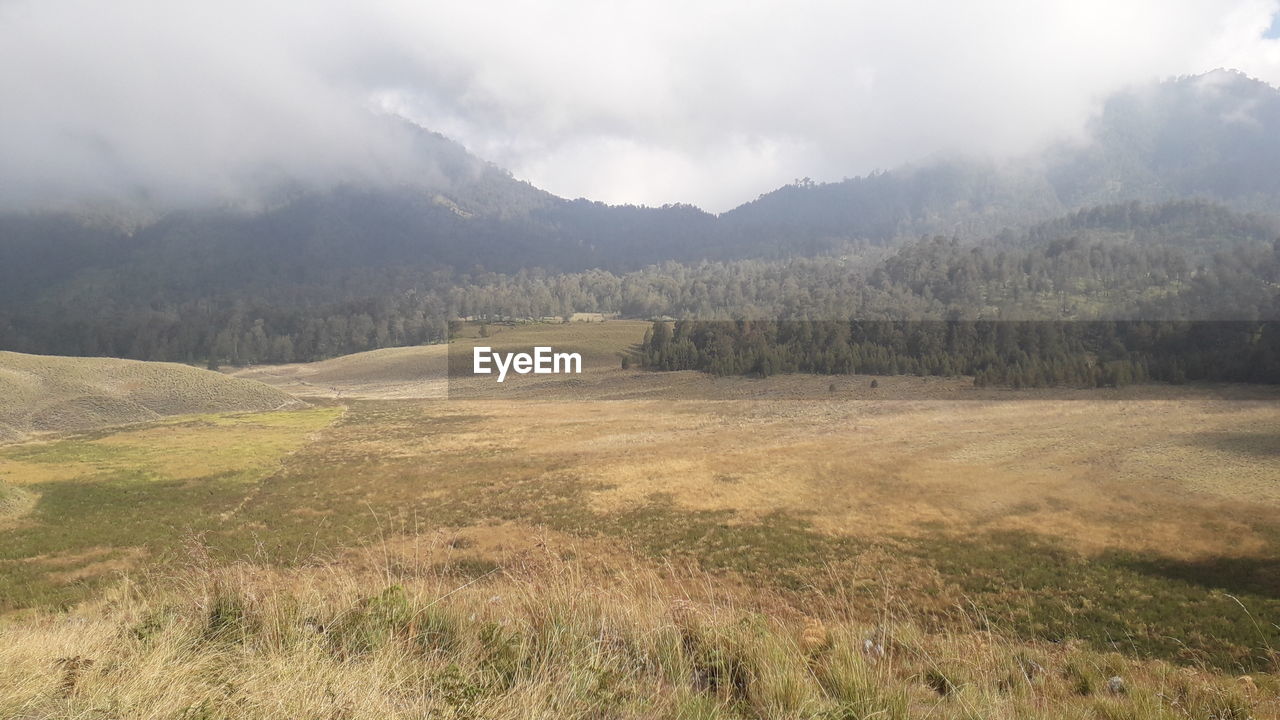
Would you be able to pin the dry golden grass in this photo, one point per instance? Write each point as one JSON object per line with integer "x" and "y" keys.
{"x": 41, "y": 393}
{"x": 1175, "y": 471}
{"x": 1082, "y": 471}
{"x": 541, "y": 637}
{"x": 391, "y": 373}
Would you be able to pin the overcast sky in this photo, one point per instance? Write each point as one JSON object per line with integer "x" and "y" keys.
{"x": 644, "y": 102}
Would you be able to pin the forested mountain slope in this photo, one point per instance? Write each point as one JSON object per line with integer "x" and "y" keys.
{"x": 1214, "y": 136}
{"x": 1180, "y": 260}
{"x": 310, "y": 274}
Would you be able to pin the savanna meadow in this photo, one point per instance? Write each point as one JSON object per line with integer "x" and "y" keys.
{"x": 378, "y": 539}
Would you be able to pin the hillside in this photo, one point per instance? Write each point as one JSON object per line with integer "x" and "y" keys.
{"x": 1211, "y": 136}
{"x": 323, "y": 272}
{"x": 1180, "y": 260}
{"x": 44, "y": 393}
{"x": 404, "y": 372}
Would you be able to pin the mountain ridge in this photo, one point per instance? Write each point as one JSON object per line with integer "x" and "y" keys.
{"x": 347, "y": 254}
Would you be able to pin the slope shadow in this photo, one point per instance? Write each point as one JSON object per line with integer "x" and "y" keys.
{"x": 1258, "y": 444}
{"x": 1258, "y": 576}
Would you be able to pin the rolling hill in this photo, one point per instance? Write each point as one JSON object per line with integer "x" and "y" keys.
{"x": 43, "y": 393}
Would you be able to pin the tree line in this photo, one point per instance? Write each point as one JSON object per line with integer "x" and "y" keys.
{"x": 1012, "y": 353}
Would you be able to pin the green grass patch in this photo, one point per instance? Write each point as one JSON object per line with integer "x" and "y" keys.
{"x": 146, "y": 489}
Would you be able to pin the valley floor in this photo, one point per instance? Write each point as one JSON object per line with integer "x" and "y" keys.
{"x": 976, "y": 535}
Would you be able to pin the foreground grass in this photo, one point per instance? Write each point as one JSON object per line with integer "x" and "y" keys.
{"x": 540, "y": 637}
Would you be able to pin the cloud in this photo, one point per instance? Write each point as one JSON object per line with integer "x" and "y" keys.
{"x": 648, "y": 102}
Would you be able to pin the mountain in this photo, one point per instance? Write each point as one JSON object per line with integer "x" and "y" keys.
{"x": 1214, "y": 136}
{"x": 952, "y": 197}
{"x": 315, "y": 244}
{"x": 169, "y": 286}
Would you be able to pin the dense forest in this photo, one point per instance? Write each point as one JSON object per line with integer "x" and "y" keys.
{"x": 1015, "y": 353}
{"x": 1112, "y": 295}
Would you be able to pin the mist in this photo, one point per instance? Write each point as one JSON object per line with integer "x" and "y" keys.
{"x": 168, "y": 104}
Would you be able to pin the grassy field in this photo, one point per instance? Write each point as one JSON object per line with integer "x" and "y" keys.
{"x": 1132, "y": 533}
{"x": 549, "y": 638}
{"x": 93, "y": 503}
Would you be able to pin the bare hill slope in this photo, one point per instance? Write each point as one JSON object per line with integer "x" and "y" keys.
{"x": 423, "y": 371}
{"x": 391, "y": 373}
{"x": 50, "y": 393}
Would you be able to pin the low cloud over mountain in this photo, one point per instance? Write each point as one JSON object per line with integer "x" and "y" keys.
{"x": 165, "y": 104}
